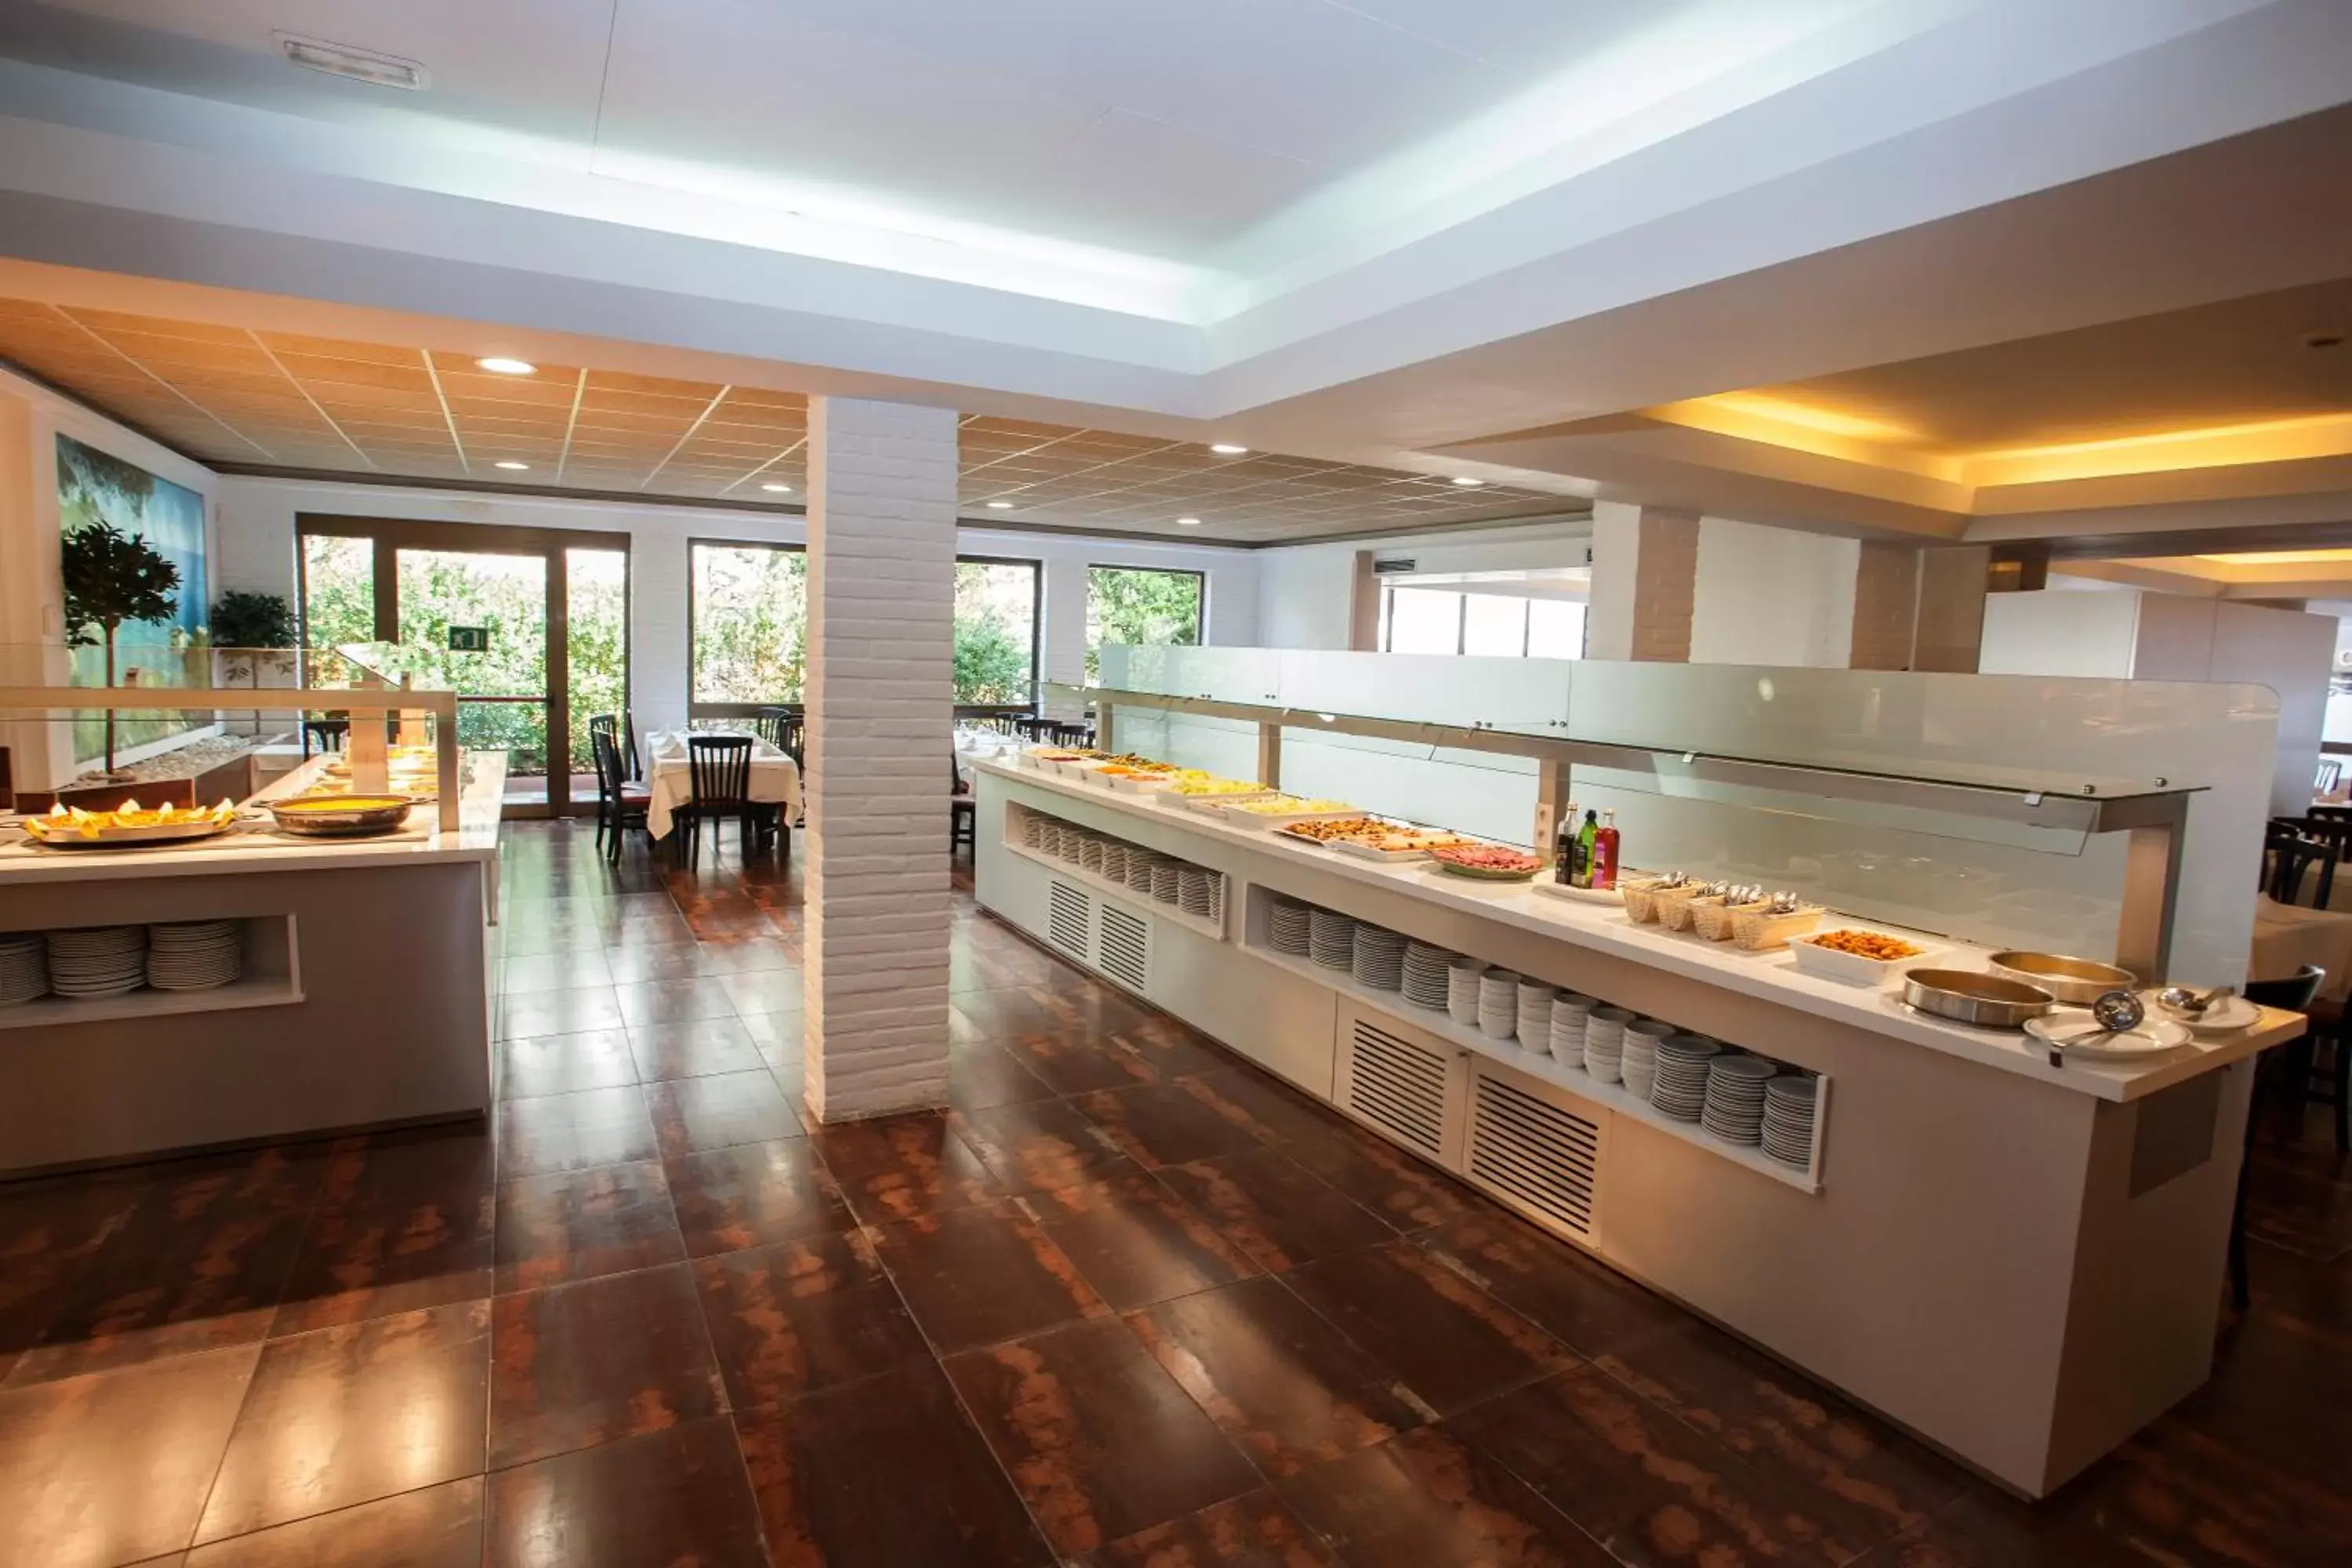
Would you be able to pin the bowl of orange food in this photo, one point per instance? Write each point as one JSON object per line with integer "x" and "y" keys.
{"x": 1854, "y": 955}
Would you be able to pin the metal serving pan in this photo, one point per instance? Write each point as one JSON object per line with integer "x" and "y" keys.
{"x": 1965, "y": 997}
{"x": 2080, "y": 980}
{"x": 339, "y": 815}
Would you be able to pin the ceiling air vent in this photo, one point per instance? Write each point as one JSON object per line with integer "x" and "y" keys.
{"x": 1125, "y": 952}
{"x": 1543, "y": 1157}
{"x": 1397, "y": 1085}
{"x": 1069, "y": 914}
{"x": 360, "y": 65}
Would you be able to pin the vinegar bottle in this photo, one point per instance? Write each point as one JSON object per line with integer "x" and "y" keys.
{"x": 1604, "y": 852}
{"x": 1563, "y": 850}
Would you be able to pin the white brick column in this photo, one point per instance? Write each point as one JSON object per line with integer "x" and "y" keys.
{"x": 881, "y": 600}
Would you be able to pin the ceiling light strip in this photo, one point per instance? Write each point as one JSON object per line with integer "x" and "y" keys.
{"x": 127, "y": 358}
{"x": 700, "y": 420}
{"x": 332, "y": 424}
{"x": 433, "y": 374}
{"x": 572, "y": 422}
{"x": 746, "y": 478}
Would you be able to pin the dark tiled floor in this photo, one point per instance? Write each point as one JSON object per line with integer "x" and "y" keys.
{"x": 1131, "y": 1302}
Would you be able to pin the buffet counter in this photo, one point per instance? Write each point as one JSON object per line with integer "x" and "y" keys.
{"x": 2019, "y": 1260}
{"x": 360, "y": 997}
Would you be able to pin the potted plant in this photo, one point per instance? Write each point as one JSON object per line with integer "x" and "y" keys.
{"x": 247, "y": 627}
{"x": 111, "y": 577}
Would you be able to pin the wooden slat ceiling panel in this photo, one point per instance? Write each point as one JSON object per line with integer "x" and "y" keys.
{"x": 248, "y": 399}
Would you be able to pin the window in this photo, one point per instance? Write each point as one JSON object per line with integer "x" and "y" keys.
{"x": 1142, "y": 606}
{"x": 746, "y": 623}
{"x": 995, "y": 632}
{"x": 1422, "y": 620}
{"x": 1509, "y": 625}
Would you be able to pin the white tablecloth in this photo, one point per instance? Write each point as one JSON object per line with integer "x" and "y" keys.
{"x": 2287, "y": 937}
{"x": 669, "y": 784}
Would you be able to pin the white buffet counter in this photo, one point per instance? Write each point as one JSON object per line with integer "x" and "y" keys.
{"x": 365, "y": 998}
{"x": 2021, "y": 1262}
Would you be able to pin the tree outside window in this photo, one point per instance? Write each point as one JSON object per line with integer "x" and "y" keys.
{"x": 1140, "y": 605}
{"x": 749, "y": 618}
{"x": 995, "y": 632}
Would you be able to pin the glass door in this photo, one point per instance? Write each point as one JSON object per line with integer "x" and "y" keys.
{"x": 596, "y": 652}
{"x": 475, "y": 623}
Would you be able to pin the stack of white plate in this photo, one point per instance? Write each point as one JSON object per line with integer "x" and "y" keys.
{"x": 194, "y": 956}
{"x": 1068, "y": 841}
{"x": 1332, "y": 939}
{"x": 1604, "y": 1043}
{"x": 1499, "y": 1004}
{"x": 1285, "y": 926}
{"x": 1091, "y": 853}
{"x": 1640, "y": 1064}
{"x": 1032, "y": 831}
{"x": 1114, "y": 859}
{"x": 1379, "y": 958}
{"x": 1196, "y": 891}
{"x": 101, "y": 961}
{"x": 1167, "y": 881}
{"x": 1425, "y": 983}
{"x": 24, "y": 968}
{"x": 1461, "y": 977}
{"x": 1569, "y": 1016}
{"x": 1535, "y": 1014}
{"x": 1788, "y": 1130}
{"x": 1681, "y": 1089}
{"x": 1140, "y": 865}
{"x": 1735, "y": 1098}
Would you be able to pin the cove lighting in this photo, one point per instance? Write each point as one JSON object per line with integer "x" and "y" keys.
{"x": 1227, "y": 450}
{"x": 1467, "y": 482}
{"x": 1187, "y": 523}
{"x": 1000, "y": 506}
{"x": 513, "y": 467}
{"x": 498, "y": 364}
{"x": 777, "y": 489}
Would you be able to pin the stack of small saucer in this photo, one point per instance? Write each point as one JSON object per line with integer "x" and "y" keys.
{"x": 1032, "y": 831}
{"x": 1681, "y": 1089}
{"x": 1139, "y": 865}
{"x": 101, "y": 960}
{"x": 1462, "y": 989}
{"x": 1499, "y": 1004}
{"x": 1569, "y": 1014}
{"x": 1426, "y": 981}
{"x": 1535, "y": 1014}
{"x": 1379, "y": 958}
{"x": 1114, "y": 860}
{"x": 1331, "y": 940}
{"x": 24, "y": 968}
{"x": 194, "y": 956}
{"x": 1091, "y": 853}
{"x": 1196, "y": 891}
{"x": 1285, "y": 926}
{"x": 1735, "y": 1098}
{"x": 1788, "y": 1130}
{"x": 1604, "y": 1043}
{"x": 1641, "y": 1060}
{"x": 1167, "y": 881}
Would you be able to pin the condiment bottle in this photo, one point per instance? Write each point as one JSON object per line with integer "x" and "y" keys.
{"x": 1604, "y": 852}
{"x": 1563, "y": 850}
{"x": 1585, "y": 838}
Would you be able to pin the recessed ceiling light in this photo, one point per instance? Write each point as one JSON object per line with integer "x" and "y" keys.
{"x": 777, "y": 489}
{"x": 497, "y": 364}
{"x": 1467, "y": 482}
{"x": 1227, "y": 450}
{"x": 1187, "y": 523}
{"x": 513, "y": 467}
{"x": 360, "y": 65}
{"x": 1000, "y": 506}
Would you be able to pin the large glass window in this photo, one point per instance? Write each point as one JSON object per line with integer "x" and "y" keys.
{"x": 1508, "y": 625}
{"x": 338, "y": 590}
{"x": 995, "y": 632}
{"x": 748, "y": 625}
{"x": 1422, "y": 620}
{"x": 1494, "y": 626}
{"x": 1142, "y": 606}
{"x": 596, "y": 627}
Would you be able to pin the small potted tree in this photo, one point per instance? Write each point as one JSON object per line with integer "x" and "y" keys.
{"x": 247, "y": 629}
{"x": 111, "y": 577}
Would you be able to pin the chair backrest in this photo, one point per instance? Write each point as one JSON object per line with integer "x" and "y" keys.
{"x": 607, "y": 725}
{"x": 629, "y": 743}
{"x": 609, "y": 777}
{"x": 955, "y": 777}
{"x": 328, "y": 734}
{"x": 2288, "y": 856}
{"x": 720, "y": 769}
{"x": 2329, "y": 775}
{"x": 2340, "y": 815}
{"x": 2293, "y": 995}
{"x": 792, "y": 737}
{"x": 770, "y": 726}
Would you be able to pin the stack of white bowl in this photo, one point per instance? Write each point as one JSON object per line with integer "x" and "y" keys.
{"x": 99, "y": 961}
{"x": 1499, "y": 1004}
{"x": 194, "y": 956}
{"x": 1569, "y": 1014}
{"x": 1285, "y": 926}
{"x": 1425, "y": 984}
{"x": 24, "y": 968}
{"x": 1461, "y": 988}
{"x": 1735, "y": 1098}
{"x": 1604, "y": 1043}
{"x": 1196, "y": 891}
{"x": 1535, "y": 1014}
{"x": 1681, "y": 1089}
{"x": 1379, "y": 958}
{"x": 1788, "y": 1130}
{"x": 1331, "y": 940}
{"x": 1640, "y": 1064}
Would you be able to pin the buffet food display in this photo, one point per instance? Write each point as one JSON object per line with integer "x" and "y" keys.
{"x": 128, "y": 825}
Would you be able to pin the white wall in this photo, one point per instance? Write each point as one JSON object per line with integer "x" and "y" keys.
{"x": 1307, "y": 592}
{"x": 1772, "y": 595}
{"x": 257, "y": 535}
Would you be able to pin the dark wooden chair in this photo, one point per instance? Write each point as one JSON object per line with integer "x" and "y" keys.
{"x": 628, "y": 743}
{"x": 2335, "y": 830}
{"x": 1038, "y": 731}
{"x": 1066, "y": 733}
{"x": 325, "y": 734}
{"x": 719, "y": 769}
{"x": 2294, "y": 996}
{"x": 620, "y": 805}
{"x": 963, "y": 813}
{"x": 2289, "y": 856}
{"x": 769, "y": 725}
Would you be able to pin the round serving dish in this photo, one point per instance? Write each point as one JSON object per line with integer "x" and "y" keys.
{"x": 2078, "y": 981}
{"x": 339, "y": 815}
{"x": 1965, "y": 997}
{"x": 147, "y": 837}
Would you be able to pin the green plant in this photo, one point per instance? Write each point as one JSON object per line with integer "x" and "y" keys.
{"x": 245, "y": 626}
{"x": 110, "y": 578}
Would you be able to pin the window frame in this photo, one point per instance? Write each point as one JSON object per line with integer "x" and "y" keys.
{"x": 1037, "y": 636}
{"x": 697, "y": 709}
{"x": 1200, "y": 597}
{"x": 1463, "y": 597}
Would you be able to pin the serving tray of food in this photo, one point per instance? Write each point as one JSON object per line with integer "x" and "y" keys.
{"x": 1486, "y": 863}
{"x": 129, "y": 826}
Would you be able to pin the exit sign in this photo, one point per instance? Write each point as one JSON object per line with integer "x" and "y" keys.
{"x": 469, "y": 639}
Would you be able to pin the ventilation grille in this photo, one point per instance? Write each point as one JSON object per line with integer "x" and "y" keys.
{"x": 1126, "y": 953}
{"x": 1545, "y": 1157}
{"x": 1068, "y": 914}
{"x": 1398, "y": 1086}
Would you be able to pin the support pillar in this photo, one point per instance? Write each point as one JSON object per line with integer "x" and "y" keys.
{"x": 880, "y": 684}
{"x": 1644, "y": 574}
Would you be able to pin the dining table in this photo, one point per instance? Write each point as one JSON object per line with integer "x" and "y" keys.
{"x": 2288, "y": 936}
{"x": 669, "y": 782}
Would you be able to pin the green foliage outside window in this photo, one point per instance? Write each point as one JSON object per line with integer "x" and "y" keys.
{"x": 995, "y": 631}
{"x": 1140, "y": 605}
{"x": 751, "y": 623}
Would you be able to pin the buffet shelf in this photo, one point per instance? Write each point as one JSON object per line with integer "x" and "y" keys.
{"x": 55, "y": 1012}
{"x": 1213, "y": 929}
{"x": 1541, "y": 1065}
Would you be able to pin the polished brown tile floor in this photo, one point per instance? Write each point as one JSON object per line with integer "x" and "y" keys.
{"x": 1131, "y": 1303}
